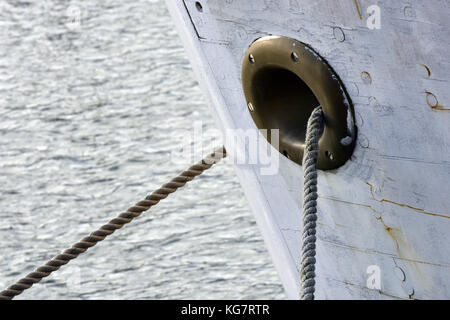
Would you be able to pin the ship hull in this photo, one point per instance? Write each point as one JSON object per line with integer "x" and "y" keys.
{"x": 383, "y": 217}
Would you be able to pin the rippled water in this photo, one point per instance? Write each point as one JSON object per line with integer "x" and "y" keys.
{"x": 89, "y": 117}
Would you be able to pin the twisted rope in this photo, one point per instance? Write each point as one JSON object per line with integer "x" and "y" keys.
{"x": 307, "y": 272}
{"x": 116, "y": 223}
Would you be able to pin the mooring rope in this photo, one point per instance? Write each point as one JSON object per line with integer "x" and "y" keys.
{"x": 116, "y": 223}
{"x": 307, "y": 270}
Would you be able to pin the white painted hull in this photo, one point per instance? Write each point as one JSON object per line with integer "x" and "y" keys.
{"x": 389, "y": 205}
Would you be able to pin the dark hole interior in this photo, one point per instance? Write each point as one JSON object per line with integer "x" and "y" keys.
{"x": 199, "y": 6}
{"x": 283, "y": 101}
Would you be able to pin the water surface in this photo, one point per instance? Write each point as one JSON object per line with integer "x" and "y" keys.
{"x": 88, "y": 119}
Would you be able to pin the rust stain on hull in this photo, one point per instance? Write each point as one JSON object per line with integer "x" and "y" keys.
{"x": 357, "y": 9}
{"x": 433, "y": 102}
{"x": 407, "y": 253}
{"x": 427, "y": 69}
{"x": 349, "y": 202}
{"x": 419, "y": 210}
{"x": 395, "y": 234}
